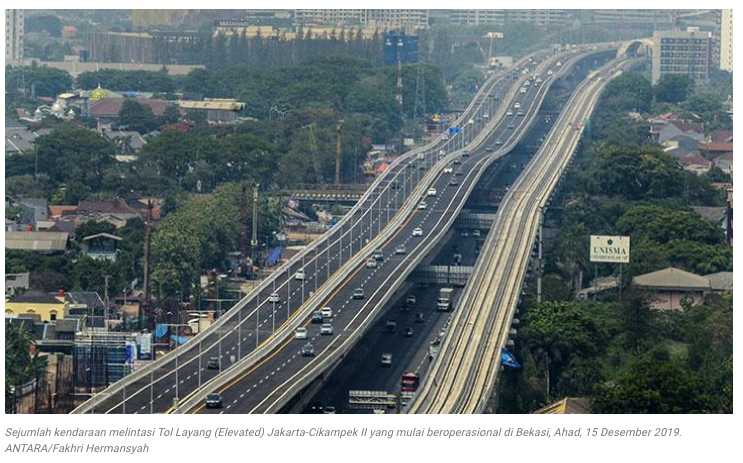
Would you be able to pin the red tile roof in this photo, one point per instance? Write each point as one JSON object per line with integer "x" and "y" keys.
{"x": 694, "y": 159}
{"x": 722, "y": 136}
{"x": 59, "y": 211}
{"x": 688, "y": 126}
{"x": 110, "y": 107}
{"x": 717, "y": 146}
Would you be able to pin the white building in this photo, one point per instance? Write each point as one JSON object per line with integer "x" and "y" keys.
{"x": 682, "y": 52}
{"x": 726, "y": 41}
{"x": 13, "y": 34}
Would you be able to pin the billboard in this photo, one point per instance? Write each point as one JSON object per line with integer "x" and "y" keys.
{"x": 612, "y": 249}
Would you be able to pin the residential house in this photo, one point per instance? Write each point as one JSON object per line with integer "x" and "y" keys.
{"x": 37, "y": 241}
{"x": 102, "y": 246}
{"x": 724, "y": 162}
{"x": 57, "y": 212}
{"x": 116, "y": 213}
{"x": 721, "y": 142}
{"x": 681, "y": 145}
{"x": 15, "y": 283}
{"x": 567, "y": 406}
{"x": 12, "y": 225}
{"x": 672, "y": 288}
{"x": 47, "y": 306}
{"x": 88, "y": 304}
{"x": 34, "y": 212}
{"x": 19, "y": 138}
{"x": 665, "y": 130}
{"x": 720, "y": 281}
{"x": 129, "y": 142}
{"x": 107, "y": 109}
{"x": 695, "y": 163}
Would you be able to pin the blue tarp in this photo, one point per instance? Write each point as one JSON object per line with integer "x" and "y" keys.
{"x": 161, "y": 330}
{"x": 179, "y": 339}
{"x": 508, "y": 360}
{"x": 274, "y": 256}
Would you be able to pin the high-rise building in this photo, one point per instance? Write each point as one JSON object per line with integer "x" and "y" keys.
{"x": 13, "y": 34}
{"x": 682, "y": 52}
{"x": 629, "y": 23}
{"x": 384, "y": 19}
{"x": 500, "y": 17}
{"x": 726, "y": 40}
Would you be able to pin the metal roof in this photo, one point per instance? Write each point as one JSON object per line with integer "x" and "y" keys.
{"x": 102, "y": 235}
{"x": 36, "y": 241}
{"x": 721, "y": 281}
{"x": 672, "y": 279}
{"x": 222, "y": 105}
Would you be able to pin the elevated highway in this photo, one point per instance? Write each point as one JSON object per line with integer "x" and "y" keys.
{"x": 256, "y": 325}
{"x": 265, "y": 383}
{"x": 463, "y": 375}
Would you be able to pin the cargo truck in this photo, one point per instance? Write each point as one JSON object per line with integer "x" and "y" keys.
{"x": 444, "y": 302}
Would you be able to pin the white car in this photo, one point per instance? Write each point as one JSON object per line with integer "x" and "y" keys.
{"x": 300, "y": 333}
{"x": 517, "y": 105}
{"x": 448, "y": 170}
{"x": 432, "y": 192}
{"x": 509, "y": 113}
{"x": 422, "y": 206}
{"x": 299, "y": 275}
{"x": 371, "y": 263}
{"x": 476, "y": 233}
{"x": 326, "y": 312}
{"x": 274, "y": 298}
{"x": 486, "y": 116}
{"x": 418, "y": 231}
{"x": 326, "y": 328}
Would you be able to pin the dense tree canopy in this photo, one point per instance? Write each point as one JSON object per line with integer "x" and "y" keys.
{"x": 653, "y": 386}
{"x": 72, "y": 153}
{"x": 672, "y": 88}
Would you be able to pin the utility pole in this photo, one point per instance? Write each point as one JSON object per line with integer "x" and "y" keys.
{"x": 105, "y": 298}
{"x": 419, "y": 110}
{"x": 539, "y": 257}
{"x": 398, "y": 95}
{"x": 146, "y": 283}
{"x": 338, "y": 131}
{"x": 244, "y": 233}
{"x": 254, "y": 239}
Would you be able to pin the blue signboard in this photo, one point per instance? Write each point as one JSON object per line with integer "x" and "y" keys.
{"x": 508, "y": 360}
{"x": 404, "y": 45}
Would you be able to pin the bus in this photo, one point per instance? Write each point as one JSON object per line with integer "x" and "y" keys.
{"x": 409, "y": 382}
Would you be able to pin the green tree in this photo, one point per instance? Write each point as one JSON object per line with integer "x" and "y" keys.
{"x": 71, "y": 153}
{"x": 20, "y": 366}
{"x": 652, "y": 386}
{"x": 137, "y": 116}
{"x": 662, "y": 225}
{"x": 672, "y": 88}
{"x": 556, "y": 332}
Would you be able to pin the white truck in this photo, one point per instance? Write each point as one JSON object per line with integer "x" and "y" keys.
{"x": 444, "y": 302}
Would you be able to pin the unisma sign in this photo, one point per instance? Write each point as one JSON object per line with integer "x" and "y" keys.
{"x": 610, "y": 249}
